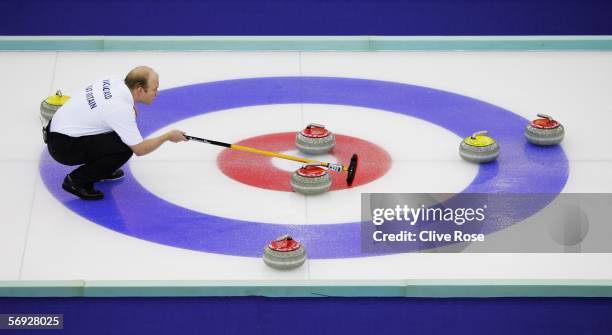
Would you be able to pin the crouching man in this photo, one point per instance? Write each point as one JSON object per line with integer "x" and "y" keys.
{"x": 97, "y": 130}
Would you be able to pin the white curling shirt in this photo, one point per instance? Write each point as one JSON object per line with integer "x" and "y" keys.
{"x": 104, "y": 106}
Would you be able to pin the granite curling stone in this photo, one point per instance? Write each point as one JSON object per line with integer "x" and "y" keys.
{"x": 544, "y": 131}
{"x": 315, "y": 140}
{"x": 51, "y": 104}
{"x": 311, "y": 180}
{"x": 284, "y": 253}
{"x": 479, "y": 148}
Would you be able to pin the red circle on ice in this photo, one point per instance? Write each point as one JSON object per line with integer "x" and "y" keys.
{"x": 258, "y": 170}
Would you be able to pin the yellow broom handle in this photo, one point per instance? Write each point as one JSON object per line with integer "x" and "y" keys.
{"x": 274, "y": 154}
{"x": 283, "y": 156}
{"x": 334, "y": 167}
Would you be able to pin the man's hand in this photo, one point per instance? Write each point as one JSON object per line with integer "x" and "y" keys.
{"x": 176, "y": 136}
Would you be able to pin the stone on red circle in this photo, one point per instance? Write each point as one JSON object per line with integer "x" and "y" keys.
{"x": 315, "y": 140}
{"x": 311, "y": 180}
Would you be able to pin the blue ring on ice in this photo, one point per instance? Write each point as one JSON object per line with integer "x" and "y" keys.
{"x": 130, "y": 209}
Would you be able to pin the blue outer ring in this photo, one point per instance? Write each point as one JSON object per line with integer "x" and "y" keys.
{"x": 130, "y": 209}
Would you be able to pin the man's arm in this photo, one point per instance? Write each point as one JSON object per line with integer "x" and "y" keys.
{"x": 151, "y": 144}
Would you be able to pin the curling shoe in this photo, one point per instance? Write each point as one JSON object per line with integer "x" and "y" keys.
{"x": 81, "y": 192}
{"x": 118, "y": 174}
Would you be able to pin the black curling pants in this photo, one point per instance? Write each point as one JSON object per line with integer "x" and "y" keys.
{"x": 99, "y": 155}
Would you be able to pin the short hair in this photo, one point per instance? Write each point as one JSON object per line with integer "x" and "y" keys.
{"x": 138, "y": 77}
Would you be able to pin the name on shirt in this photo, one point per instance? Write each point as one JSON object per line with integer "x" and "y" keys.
{"x": 90, "y": 97}
{"x": 106, "y": 90}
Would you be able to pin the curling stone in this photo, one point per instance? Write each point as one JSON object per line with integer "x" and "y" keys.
{"x": 315, "y": 140}
{"x": 51, "y": 104}
{"x": 284, "y": 253}
{"x": 479, "y": 148}
{"x": 311, "y": 180}
{"x": 544, "y": 131}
